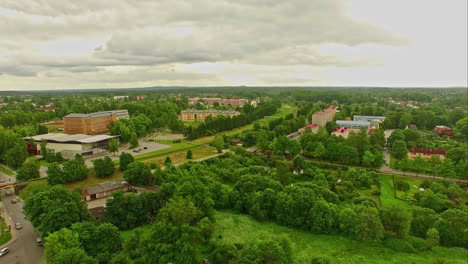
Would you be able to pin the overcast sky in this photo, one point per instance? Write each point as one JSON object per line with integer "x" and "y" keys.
{"x": 56, "y": 44}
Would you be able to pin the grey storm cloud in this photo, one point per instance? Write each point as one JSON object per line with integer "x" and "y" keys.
{"x": 264, "y": 32}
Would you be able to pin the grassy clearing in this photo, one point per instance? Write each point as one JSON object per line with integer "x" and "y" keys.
{"x": 5, "y": 236}
{"x": 93, "y": 180}
{"x": 179, "y": 157}
{"x": 6, "y": 171}
{"x": 237, "y": 228}
{"x": 387, "y": 194}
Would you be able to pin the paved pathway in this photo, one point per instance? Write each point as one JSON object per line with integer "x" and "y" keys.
{"x": 23, "y": 246}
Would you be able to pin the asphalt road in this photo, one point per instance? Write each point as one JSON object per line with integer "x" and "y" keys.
{"x": 25, "y": 249}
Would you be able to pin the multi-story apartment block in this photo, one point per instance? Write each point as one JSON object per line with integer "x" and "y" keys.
{"x": 322, "y": 117}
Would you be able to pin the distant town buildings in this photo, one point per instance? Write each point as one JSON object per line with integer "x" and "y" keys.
{"x": 45, "y": 108}
{"x": 353, "y": 124}
{"x": 121, "y": 97}
{"x": 322, "y": 117}
{"x": 140, "y": 97}
{"x": 426, "y": 153}
{"x": 443, "y": 130}
{"x": 92, "y": 124}
{"x": 211, "y": 101}
{"x": 200, "y": 115}
{"x": 69, "y": 145}
{"x": 341, "y": 131}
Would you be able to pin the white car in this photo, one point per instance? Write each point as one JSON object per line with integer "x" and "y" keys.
{"x": 18, "y": 226}
{"x": 4, "y": 251}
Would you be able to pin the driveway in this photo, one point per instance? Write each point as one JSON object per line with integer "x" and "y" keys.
{"x": 23, "y": 247}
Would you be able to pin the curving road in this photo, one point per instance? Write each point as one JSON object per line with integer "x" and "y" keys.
{"x": 23, "y": 246}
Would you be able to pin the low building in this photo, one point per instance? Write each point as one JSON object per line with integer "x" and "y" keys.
{"x": 341, "y": 131}
{"x": 443, "y": 130}
{"x": 426, "y": 153}
{"x": 200, "y": 115}
{"x": 353, "y": 124}
{"x": 92, "y": 124}
{"x": 314, "y": 128}
{"x": 374, "y": 120}
{"x": 69, "y": 145}
{"x": 104, "y": 189}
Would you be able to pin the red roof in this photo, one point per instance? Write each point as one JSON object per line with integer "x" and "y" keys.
{"x": 428, "y": 151}
{"x": 331, "y": 107}
{"x": 340, "y": 130}
{"x": 311, "y": 126}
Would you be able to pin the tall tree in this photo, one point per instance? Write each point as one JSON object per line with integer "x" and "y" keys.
{"x": 369, "y": 227}
{"x": 29, "y": 170}
{"x": 125, "y": 160}
{"x": 113, "y": 145}
{"x": 447, "y": 169}
{"x": 218, "y": 143}
{"x": 138, "y": 174}
{"x": 15, "y": 156}
{"x": 396, "y": 220}
{"x": 399, "y": 149}
{"x": 51, "y": 210}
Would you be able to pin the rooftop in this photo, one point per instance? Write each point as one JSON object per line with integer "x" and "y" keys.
{"x": 340, "y": 130}
{"x": 428, "y": 151}
{"x": 103, "y": 187}
{"x": 67, "y": 138}
{"x": 352, "y": 123}
{"x": 368, "y": 117}
{"x": 94, "y": 115}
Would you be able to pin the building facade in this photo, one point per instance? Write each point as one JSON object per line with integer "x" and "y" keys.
{"x": 443, "y": 130}
{"x": 200, "y": 115}
{"x": 353, "y": 124}
{"x": 104, "y": 189}
{"x": 92, "y": 124}
{"x": 322, "y": 117}
{"x": 426, "y": 153}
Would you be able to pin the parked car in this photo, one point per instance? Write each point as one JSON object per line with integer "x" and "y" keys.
{"x": 18, "y": 226}
{"x": 13, "y": 201}
{"x": 8, "y": 192}
{"x": 4, "y": 251}
{"x": 2, "y": 180}
{"x": 39, "y": 241}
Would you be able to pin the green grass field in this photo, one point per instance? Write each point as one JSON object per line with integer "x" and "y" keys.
{"x": 387, "y": 194}
{"x": 237, "y": 228}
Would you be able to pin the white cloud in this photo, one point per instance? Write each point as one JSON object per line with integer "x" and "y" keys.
{"x": 64, "y": 44}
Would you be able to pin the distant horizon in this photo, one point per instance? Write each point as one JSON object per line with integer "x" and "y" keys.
{"x": 228, "y": 86}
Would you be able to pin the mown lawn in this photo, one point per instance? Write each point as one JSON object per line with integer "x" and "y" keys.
{"x": 387, "y": 194}
{"x": 237, "y": 228}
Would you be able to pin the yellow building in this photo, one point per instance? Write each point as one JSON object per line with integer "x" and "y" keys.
{"x": 200, "y": 115}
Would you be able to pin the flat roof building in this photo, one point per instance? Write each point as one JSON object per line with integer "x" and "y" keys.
{"x": 104, "y": 189}
{"x": 426, "y": 153}
{"x": 69, "y": 145}
{"x": 353, "y": 124}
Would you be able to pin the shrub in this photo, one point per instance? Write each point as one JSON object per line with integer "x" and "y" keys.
{"x": 402, "y": 185}
{"x": 320, "y": 260}
{"x": 399, "y": 245}
{"x": 418, "y": 243}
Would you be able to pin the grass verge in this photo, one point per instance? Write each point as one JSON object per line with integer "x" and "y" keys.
{"x": 5, "y": 236}
{"x": 387, "y": 193}
{"x": 6, "y": 171}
